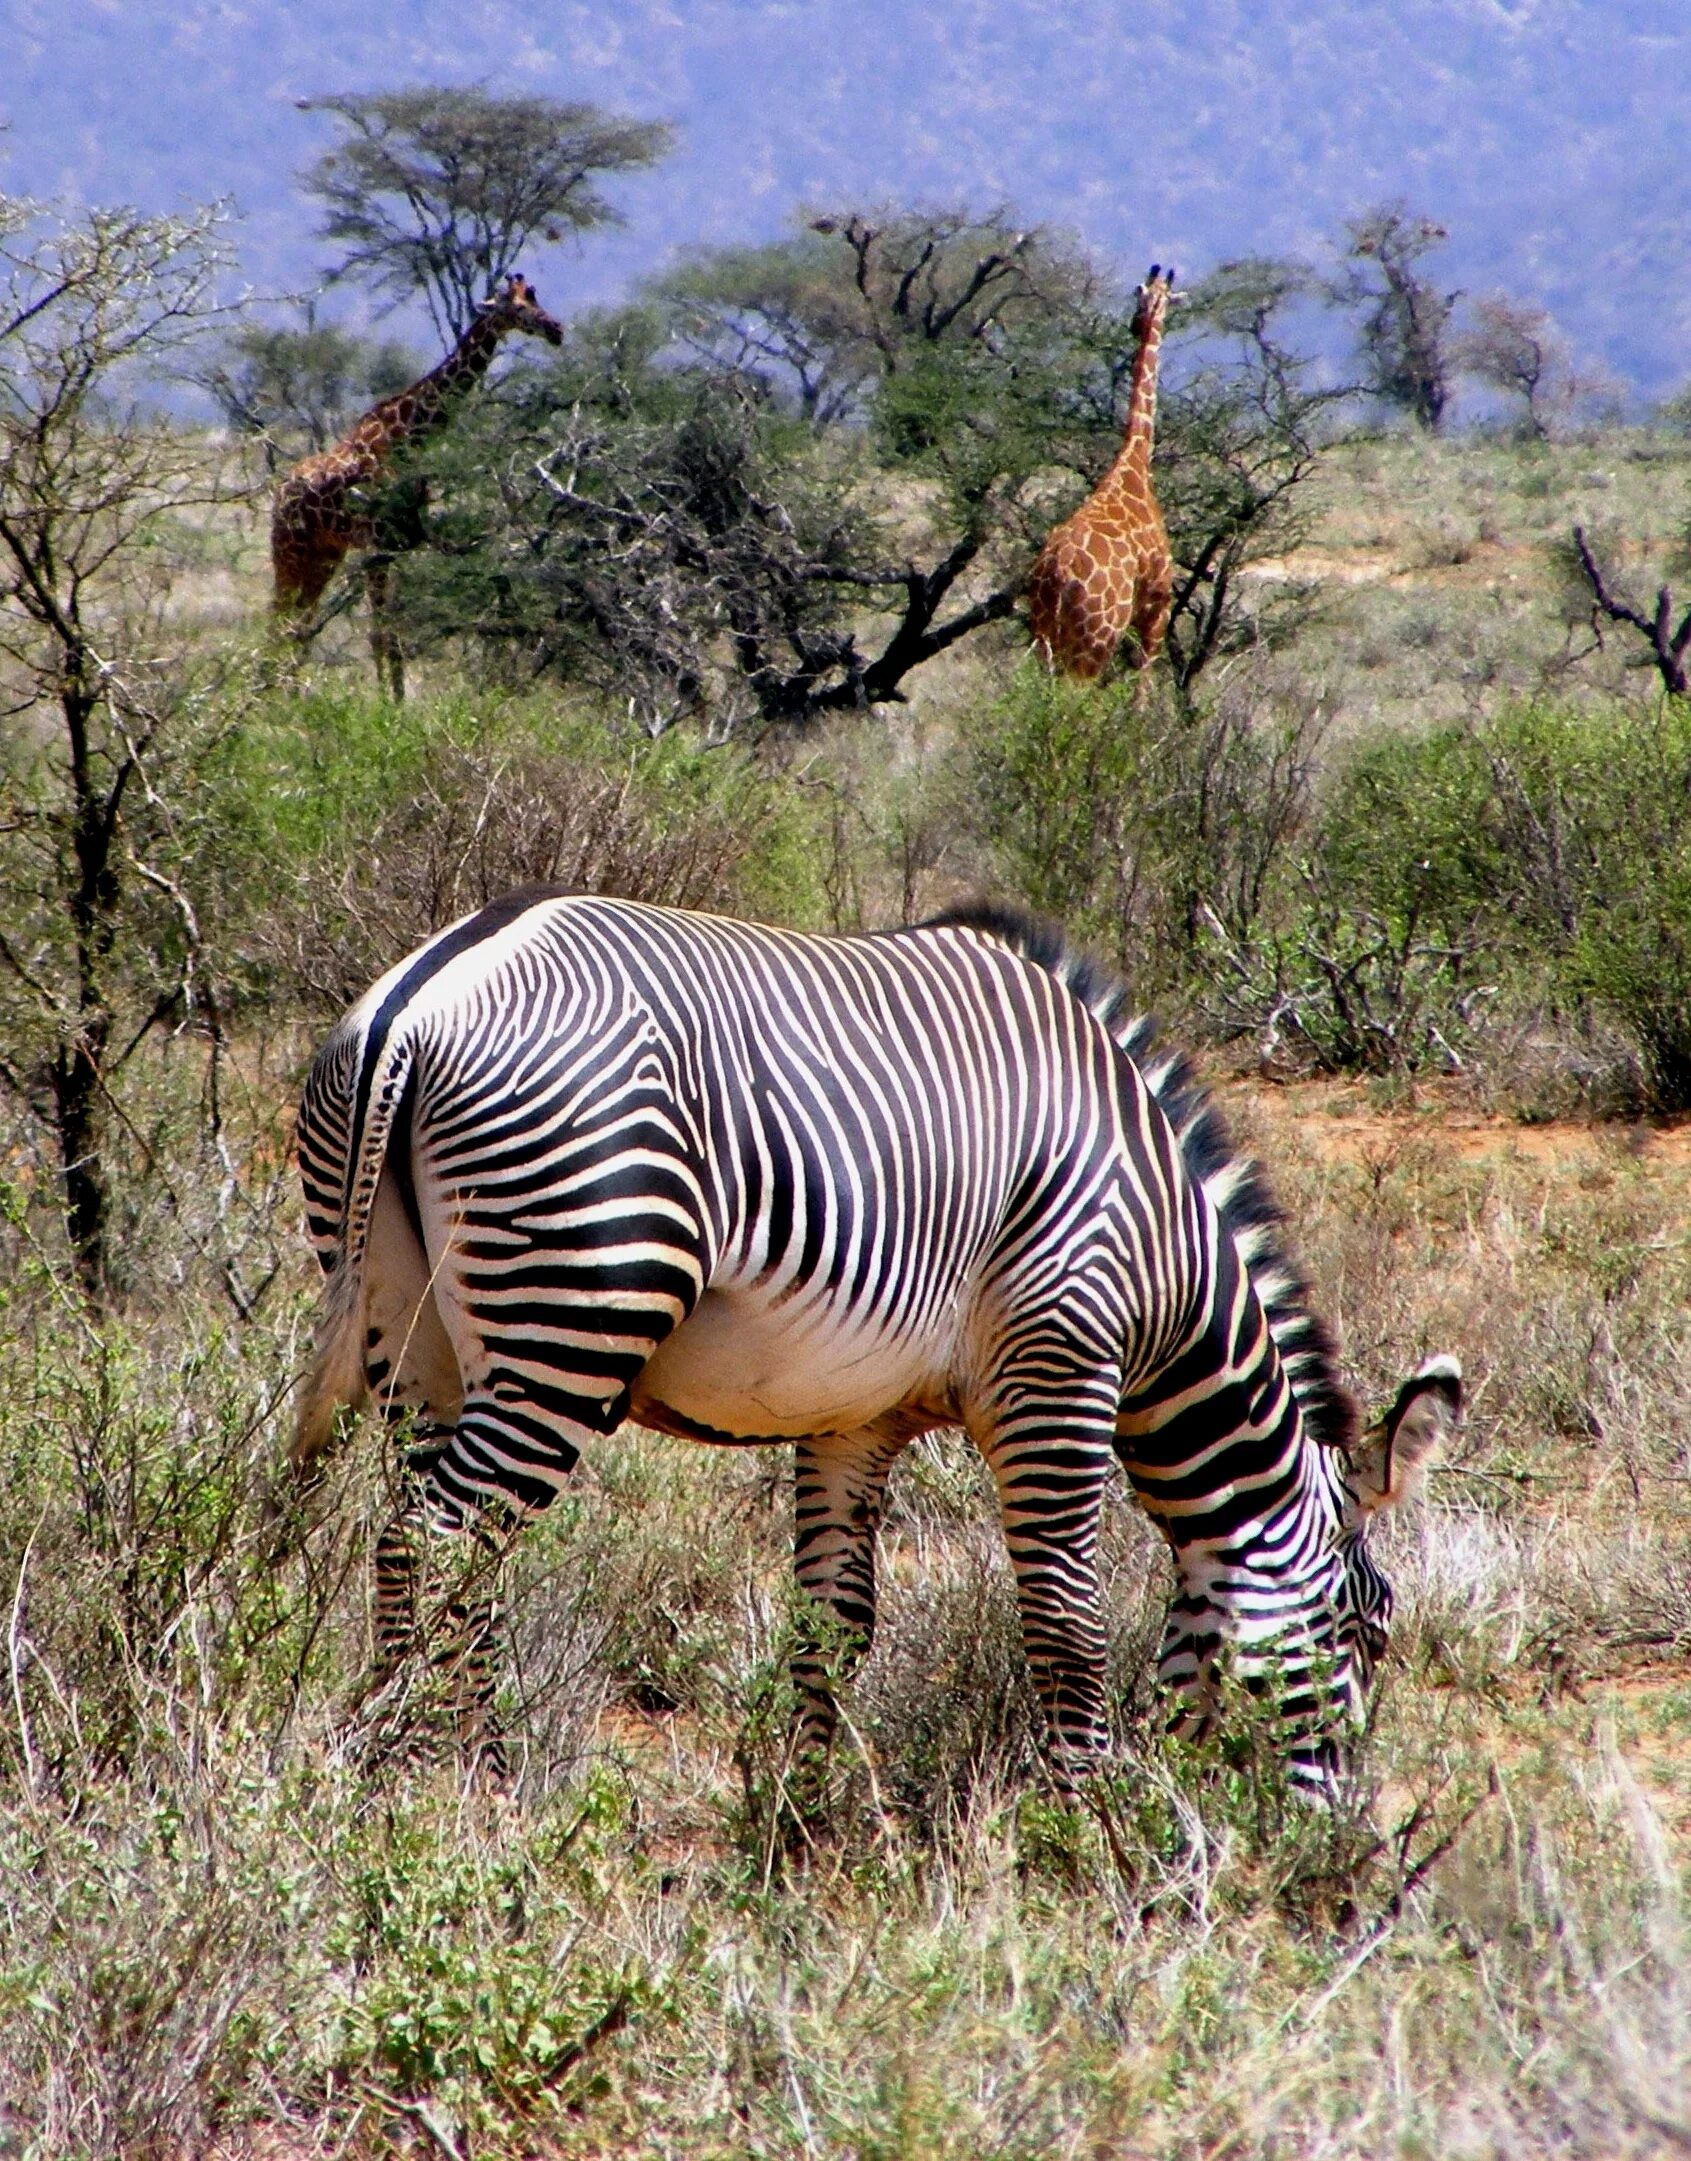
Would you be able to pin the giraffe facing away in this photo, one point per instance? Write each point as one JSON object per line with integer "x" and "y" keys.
{"x": 326, "y": 505}
{"x": 1105, "y": 573}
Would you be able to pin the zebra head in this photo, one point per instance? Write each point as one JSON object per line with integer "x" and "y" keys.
{"x": 1310, "y": 1632}
{"x": 1386, "y": 1467}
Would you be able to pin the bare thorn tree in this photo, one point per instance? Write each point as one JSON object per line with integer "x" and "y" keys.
{"x": 93, "y": 489}
{"x": 437, "y": 192}
{"x": 1405, "y": 328}
{"x": 1667, "y": 643}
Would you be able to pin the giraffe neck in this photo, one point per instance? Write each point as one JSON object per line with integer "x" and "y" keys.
{"x": 426, "y": 406}
{"x": 1133, "y": 460}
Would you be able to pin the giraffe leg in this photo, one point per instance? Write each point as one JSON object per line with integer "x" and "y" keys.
{"x": 297, "y": 584}
{"x": 302, "y": 562}
{"x": 1152, "y": 607}
{"x": 385, "y": 648}
{"x": 1097, "y": 611}
{"x": 1083, "y": 655}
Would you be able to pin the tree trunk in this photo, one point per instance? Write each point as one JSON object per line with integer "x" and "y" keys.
{"x": 79, "y": 1065}
{"x": 76, "y": 1116}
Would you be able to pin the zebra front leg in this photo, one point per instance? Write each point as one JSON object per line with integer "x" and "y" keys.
{"x": 1051, "y": 1461}
{"x": 839, "y": 1485}
{"x": 1257, "y": 1615}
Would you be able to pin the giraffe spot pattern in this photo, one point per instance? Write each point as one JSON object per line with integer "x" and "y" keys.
{"x": 1106, "y": 570}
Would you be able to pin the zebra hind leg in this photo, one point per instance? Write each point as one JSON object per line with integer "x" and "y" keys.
{"x": 509, "y": 1452}
{"x": 437, "y": 1638}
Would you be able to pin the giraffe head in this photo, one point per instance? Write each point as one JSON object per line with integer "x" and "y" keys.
{"x": 1152, "y": 301}
{"x": 513, "y": 306}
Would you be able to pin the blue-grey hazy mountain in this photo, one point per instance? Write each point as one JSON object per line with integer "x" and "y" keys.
{"x": 1549, "y": 135}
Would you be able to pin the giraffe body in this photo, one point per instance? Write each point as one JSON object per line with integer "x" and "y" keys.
{"x": 331, "y": 504}
{"x": 1105, "y": 573}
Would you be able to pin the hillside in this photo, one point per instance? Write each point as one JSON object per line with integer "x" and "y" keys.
{"x": 1546, "y": 134}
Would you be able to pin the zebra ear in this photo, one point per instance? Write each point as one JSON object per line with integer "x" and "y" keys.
{"x": 1392, "y": 1457}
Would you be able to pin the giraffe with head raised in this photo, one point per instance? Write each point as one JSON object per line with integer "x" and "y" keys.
{"x": 327, "y": 506}
{"x": 1105, "y": 573}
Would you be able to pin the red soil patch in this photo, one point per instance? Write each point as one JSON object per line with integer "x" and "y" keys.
{"x": 1335, "y": 1121}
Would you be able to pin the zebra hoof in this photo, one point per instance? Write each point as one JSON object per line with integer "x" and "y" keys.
{"x": 398, "y": 1725}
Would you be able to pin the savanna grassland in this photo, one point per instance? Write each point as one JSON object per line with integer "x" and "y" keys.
{"x": 1414, "y": 877}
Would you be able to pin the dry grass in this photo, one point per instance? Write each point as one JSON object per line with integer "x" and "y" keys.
{"x": 221, "y": 1936}
{"x": 1440, "y": 568}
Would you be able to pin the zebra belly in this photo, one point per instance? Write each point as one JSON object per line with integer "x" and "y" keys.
{"x": 742, "y": 1369}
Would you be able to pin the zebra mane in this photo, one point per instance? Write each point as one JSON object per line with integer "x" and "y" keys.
{"x": 1236, "y": 1183}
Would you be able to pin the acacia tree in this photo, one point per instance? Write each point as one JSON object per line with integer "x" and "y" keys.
{"x": 677, "y": 539}
{"x": 1405, "y": 327}
{"x": 856, "y": 297}
{"x": 296, "y": 388}
{"x": 93, "y": 488}
{"x": 438, "y": 191}
{"x": 800, "y": 473}
{"x": 779, "y": 314}
{"x": 655, "y": 512}
{"x": 1515, "y": 348}
{"x": 1244, "y": 426}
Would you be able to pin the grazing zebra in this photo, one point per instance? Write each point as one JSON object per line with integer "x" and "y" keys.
{"x": 578, "y": 1160}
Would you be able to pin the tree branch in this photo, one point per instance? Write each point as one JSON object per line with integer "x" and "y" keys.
{"x": 1667, "y": 645}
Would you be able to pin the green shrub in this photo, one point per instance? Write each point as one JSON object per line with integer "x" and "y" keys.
{"x": 1137, "y": 821}
{"x": 1053, "y": 765}
{"x": 1530, "y": 869}
{"x": 347, "y": 828}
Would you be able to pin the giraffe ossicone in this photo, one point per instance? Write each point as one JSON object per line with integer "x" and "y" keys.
{"x": 1105, "y": 574}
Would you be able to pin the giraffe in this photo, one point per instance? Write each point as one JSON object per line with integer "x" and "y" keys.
{"x": 1106, "y": 571}
{"x": 325, "y": 506}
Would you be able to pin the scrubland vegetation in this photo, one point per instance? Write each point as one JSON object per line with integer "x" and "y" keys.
{"x": 223, "y": 1934}
{"x": 1405, "y": 856}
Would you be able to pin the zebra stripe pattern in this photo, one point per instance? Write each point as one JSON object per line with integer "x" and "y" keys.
{"x": 580, "y": 1159}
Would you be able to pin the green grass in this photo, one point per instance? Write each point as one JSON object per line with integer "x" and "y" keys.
{"x": 1442, "y": 569}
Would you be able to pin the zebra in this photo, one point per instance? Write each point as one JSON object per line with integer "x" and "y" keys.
{"x": 578, "y": 1160}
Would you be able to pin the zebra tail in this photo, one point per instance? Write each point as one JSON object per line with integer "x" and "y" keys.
{"x": 337, "y": 1377}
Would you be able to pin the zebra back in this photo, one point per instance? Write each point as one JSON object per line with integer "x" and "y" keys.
{"x": 1236, "y": 1183}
